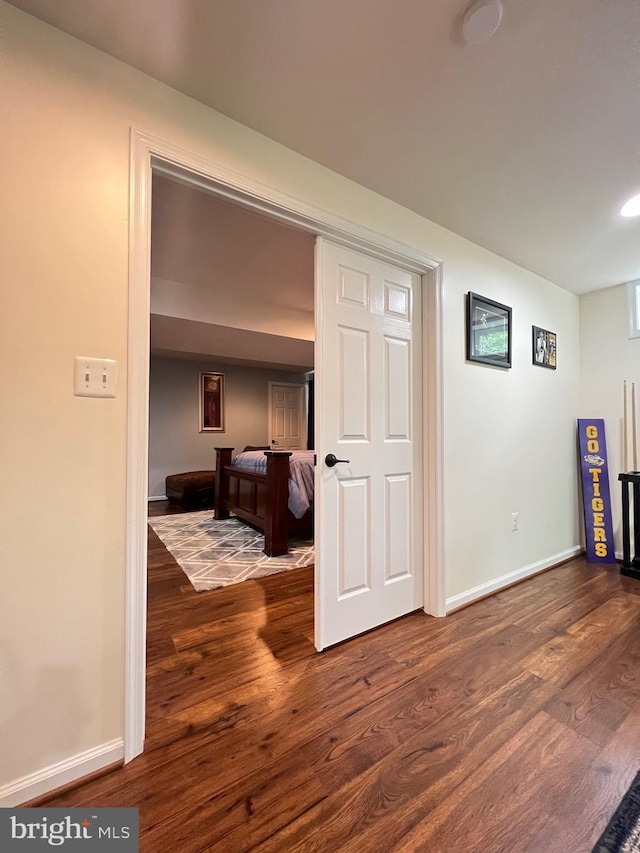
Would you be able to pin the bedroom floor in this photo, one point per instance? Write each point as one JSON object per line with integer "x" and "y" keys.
{"x": 509, "y": 726}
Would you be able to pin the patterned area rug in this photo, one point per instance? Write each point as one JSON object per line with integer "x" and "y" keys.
{"x": 622, "y": 834}
{"x": 214, "y": 553}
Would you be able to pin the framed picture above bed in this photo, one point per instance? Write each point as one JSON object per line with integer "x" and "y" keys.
{"x": 211, "y": 409}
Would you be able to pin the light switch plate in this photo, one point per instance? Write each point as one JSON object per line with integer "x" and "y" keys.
{"x": 94, "y": 377}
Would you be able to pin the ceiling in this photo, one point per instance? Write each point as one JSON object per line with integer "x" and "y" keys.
{"x": 227, "y": 283}
{"x": 528, "y": 144}
{"x": 223, "y": 254}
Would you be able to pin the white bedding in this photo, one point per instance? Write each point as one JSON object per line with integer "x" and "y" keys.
{"x": 301, "y": 475}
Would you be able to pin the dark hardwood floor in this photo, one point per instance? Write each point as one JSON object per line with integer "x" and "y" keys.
{"x": 511, "y": 726}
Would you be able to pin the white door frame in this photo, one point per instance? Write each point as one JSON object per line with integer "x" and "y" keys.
{"x": 305, "y": 400}
{"x": 150, "y": 154}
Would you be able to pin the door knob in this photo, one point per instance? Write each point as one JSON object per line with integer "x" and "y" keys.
{"x": 273, "y": 441}
{"x": 330, "y": 460}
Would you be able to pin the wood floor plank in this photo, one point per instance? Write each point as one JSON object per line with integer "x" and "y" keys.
{"x": 598, "y": 699}
{"x": 509, "y": 726}
{"x": 586, "y": 806}
{"x": 566, "y": 656}
{"x": 388, "y": 799}
{"x": 496, "y": 799}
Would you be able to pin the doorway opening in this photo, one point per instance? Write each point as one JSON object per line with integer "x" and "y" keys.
{"x": 231, "y": 346}
{"x": 152, "y": 156}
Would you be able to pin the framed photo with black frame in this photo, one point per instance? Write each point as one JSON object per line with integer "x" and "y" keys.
{"x": 545, "y": 348}
{"x": 488, "y": 331}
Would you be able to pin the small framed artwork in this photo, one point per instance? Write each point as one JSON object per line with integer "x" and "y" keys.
{"x": 544, "y": 347}
{"x": 211, "y": 402}
{"x": 488, "y": 331}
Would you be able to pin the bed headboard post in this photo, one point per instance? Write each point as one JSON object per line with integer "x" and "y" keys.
{"x": 223, "y": 457}
{"x": 276, "y": 535}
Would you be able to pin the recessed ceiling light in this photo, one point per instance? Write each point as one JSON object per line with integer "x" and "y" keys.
{"x": 632, "y": 207}
{"x": 481, "y": 20}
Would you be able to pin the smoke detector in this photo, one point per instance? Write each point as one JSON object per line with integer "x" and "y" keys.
{"x": 481, "y": 20}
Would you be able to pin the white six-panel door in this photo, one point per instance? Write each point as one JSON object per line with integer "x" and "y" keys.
{"x": 287, "y": 416}
{"x": 369, "y": 539}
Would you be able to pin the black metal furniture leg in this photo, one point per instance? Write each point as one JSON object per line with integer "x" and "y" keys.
{"x": 630, "y": 564}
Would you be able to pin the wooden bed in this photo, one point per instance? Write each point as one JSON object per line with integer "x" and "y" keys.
{"x": 259, "y": 499}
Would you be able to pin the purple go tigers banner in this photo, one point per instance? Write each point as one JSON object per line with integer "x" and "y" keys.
{"x": 598, "y": 527}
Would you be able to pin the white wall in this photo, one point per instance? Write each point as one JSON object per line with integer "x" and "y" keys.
{"x": 67, "y": 113}
{"x": 509, "y": 435}
{"x": 607, "y": 357}
{"x": 175, "y": 444}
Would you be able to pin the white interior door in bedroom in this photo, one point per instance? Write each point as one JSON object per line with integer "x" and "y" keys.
{"x": 369, "y": 563}
{"x": 287, "y": 416}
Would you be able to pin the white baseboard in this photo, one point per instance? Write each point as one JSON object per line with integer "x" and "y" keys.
{"x": 496, "y": 584}
{"x": 157, "y": 498}
{"x": 62, "y": 773}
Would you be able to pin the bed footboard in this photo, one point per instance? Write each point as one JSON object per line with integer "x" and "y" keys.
{"x": 259, "y": 499}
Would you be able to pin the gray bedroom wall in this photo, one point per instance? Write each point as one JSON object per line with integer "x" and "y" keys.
{"x": 175, "y": 445}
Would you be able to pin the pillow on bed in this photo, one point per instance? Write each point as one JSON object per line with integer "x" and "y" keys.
{"x": 255, "y": 447}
